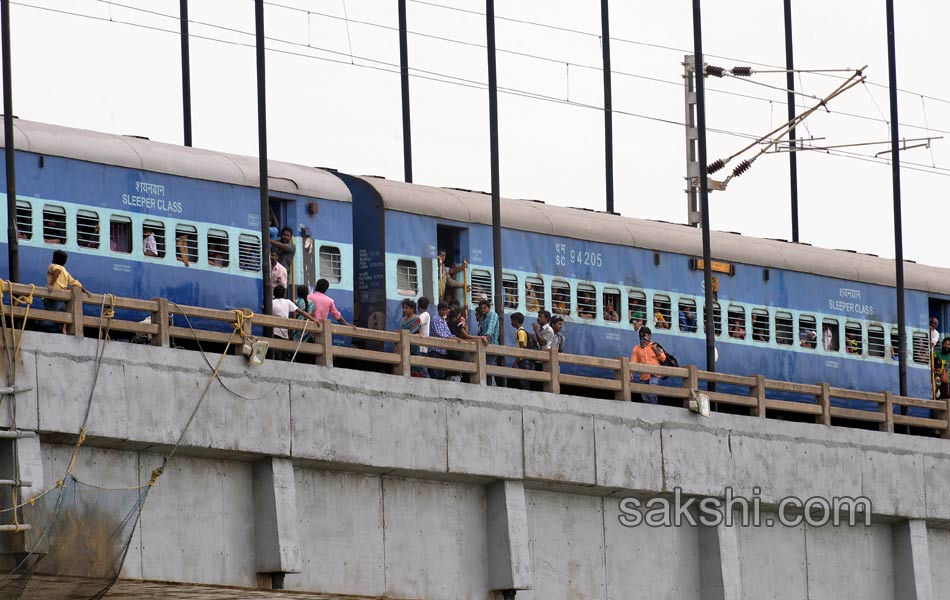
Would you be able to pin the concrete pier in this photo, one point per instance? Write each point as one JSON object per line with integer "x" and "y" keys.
{"x": 333, "y": 481}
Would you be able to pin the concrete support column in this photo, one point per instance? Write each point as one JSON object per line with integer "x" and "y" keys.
{"x": 509, "y": 560}
{"x": 276, "y": 544}
{"x": 911, "y": 560}
{"x": 719, "y": 573}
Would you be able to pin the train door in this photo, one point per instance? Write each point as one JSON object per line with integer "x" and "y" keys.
{"x": 940, "y": 309}
{"x": 454, "y": 241}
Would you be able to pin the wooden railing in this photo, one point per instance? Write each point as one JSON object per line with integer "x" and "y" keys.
{"x": 479, "y": 361}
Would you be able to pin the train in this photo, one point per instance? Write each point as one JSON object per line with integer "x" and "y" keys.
{"x": 788, "y": 311}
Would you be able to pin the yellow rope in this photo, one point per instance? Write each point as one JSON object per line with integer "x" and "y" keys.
{"x": 241, "y": 316}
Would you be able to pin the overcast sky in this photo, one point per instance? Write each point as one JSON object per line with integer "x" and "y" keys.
{"x": 324, "y": 109}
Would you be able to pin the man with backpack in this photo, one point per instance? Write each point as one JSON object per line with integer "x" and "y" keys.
{"x": 648, "y": 353}
{"x": 522, "y": 340}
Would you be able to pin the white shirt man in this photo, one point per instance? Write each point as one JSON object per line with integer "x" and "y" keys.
{"x": 282, "y": 307}
{"x": 151, "y": 246}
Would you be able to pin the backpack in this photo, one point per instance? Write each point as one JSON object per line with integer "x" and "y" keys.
{"x": 669, "y": 362}
{"x": 532, "y": 341}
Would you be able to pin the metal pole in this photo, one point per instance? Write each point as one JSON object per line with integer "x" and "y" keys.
{"x": 13, "y": 244}
{"x": 896, "y": 175}
{"x": 495, "y": 177}
{"x": 404, "y": 71}
{"x": 608, "y": 105}
{"x": 262, "y": 152}
{"x": 790, "y": 84}
{"x": 704, "y": 188}
{"x": 185, "y": 71}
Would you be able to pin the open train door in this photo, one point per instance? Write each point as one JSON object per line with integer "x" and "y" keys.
{"x": 454, "y": 241}
{"x": 940, "y": 309}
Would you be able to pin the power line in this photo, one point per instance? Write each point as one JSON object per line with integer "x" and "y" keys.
{"x": 650, "y": 45}
{"x": 426, "y": 75}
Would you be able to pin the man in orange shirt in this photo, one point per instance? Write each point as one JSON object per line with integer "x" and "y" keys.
{"x": 648, "y": 353}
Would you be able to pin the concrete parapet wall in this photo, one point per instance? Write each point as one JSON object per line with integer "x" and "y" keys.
{"x": 392, "y": 484}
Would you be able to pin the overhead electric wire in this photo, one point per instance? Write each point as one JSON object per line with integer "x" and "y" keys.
{"x": 554, "y": 60}
{"x": 418, "y": 73}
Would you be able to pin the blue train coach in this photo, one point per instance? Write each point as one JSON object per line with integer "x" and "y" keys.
{"x": 787, "y": 311}
{"x": 95, "y": 195}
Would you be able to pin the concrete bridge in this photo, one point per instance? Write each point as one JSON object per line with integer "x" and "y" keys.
{"x": 333, "y": 481}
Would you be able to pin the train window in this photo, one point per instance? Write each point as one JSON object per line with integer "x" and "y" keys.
{"x": 24, "y": 220}
{"x": 186, "y": 244}
{"x": 533, "y": 294}
{"x": 331, "y": 266}
{"x": 895, "y": 344}
{"x": 737, "y": 325}
{"x": 876, "y": 345}
{"x": 87, "y": 229}
{"x": 54, "y": 224}
{"x": 481, "y": 285}
{"x": 636, "y": 308}
{"x": 921, "y": 346}
{"x": 407, "y": 277}
{"x": 807, "y": 331}
{"x": 853, "y": 338}
{"x": 218, "y": 248}
{"x": 761, "y": 331}
{"x": 612, "y": 304}
{"x": 784, "y": 329}
{"x": 687, "y": 315}
{"x": 560, "y": 297}
{"x": 586, "y": 301}
{"x": 717, "y": 319}
{"x": 249, "y": 253}
{"x": 509, "y": 285}
{"x": 156, "y": 245}
{"x": 120, "y": 234}
{"x": 830, "y": 333}
{"x": 662, "y": 311}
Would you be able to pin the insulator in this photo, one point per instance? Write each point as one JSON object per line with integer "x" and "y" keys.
{"x": 741, "y": 168}
{"x": 715, "y": 165}
{"x": 742, "y": 71}
{"x": 715, "y": 71}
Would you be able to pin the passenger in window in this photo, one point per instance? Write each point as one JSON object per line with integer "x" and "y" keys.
{"x": 808, "y": 338}
{"x": 660, "y": 320}
{"x": 89, "y": 236}
{"x": 828, "y": 341}
{"x": 585, "y": 305}
{"x": 941, "y": 368}
{"x": 637, "y": 319}
{"x": 323, "y": 305}
{"x": 217, "y": 257}
{"x": 610, "y": 313}
{"x": 149, "y": 245}
{"x": 278, "y": 274}
{"x": 532, "y": 303}
{"x": 852, "y": 344}
{"x": 760, "y": 328}
{"x": 560, "y": 305}
{"x": 53, "y": 233}
{"x": 181, "y": 250}
{"x": 447, "y": 273}
{"x": 58, "y": 278}
{"x": 736, "y": 329}
{"x": 688, "y": 320}
{"x": 648, "y": 353}
{"x": 285, "y": 248}
{"x": 895, "y": 351}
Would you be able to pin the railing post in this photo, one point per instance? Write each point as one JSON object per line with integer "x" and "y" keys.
{"x": 402, "y": 348}
{"x": 481, "y": 361}
{"x": 888, "y": 408}
{"x": 553, "y": 368}
{"x": 691, "y": 383}
{"x": 945, "y": 414}
{"x": 160, "y": 318}
{"x": 74, "y": 308}
{"x": 624, "y": 373}
{"x": 759, "y": 391}
{"x": 325, "y": 336}
{"x": 824, "y": 400}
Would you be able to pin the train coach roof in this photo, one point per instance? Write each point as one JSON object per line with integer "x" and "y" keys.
{"x": 525, "y": 215}
{"x": 137, "y": 153}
